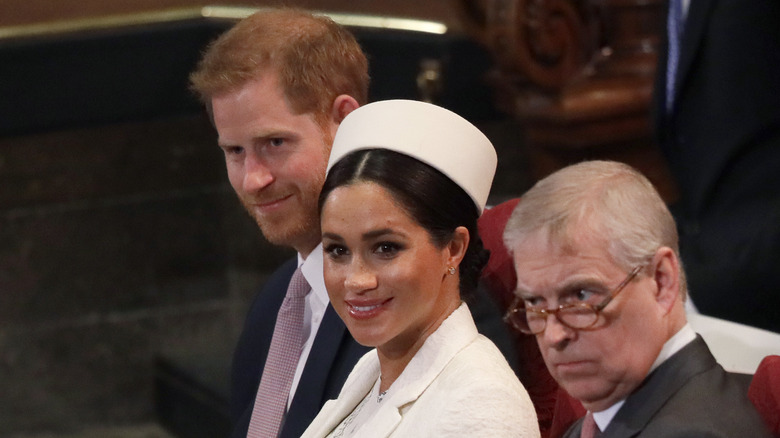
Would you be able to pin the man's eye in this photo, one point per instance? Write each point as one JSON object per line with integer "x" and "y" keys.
{"x": 532, "y": 302}
{"x": 276, "y": 142}
{"x": 233, "y": 150}
{"x": 584, "y": 295}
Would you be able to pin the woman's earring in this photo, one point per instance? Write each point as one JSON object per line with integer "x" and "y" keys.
{"x": 451, "y": 270}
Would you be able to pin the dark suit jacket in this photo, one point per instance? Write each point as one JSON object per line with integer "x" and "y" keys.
{"x": 722, "y": 142}
{"x": 332, "y": 357}
{"x": 689, "y": 395}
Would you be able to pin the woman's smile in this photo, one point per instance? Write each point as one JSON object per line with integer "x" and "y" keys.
{"x": 362, "y": 309}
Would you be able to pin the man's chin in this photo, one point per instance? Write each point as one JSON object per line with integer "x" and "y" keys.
{"x": 277, "y": 234}
{"x": 593, "y": 395}
{"x": 289, "y": 234}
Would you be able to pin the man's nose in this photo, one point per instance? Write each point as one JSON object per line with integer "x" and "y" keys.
{"x": 257, "y": 175}
{"x": 556, "y": 334}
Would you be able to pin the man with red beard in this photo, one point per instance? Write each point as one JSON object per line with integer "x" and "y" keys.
{"x": 601, "y": 285}
{"x": 277, "y": 85}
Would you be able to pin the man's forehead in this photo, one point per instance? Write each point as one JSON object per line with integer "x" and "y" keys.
{"x": 559, "y": 279}
{"x": 562, "y": 268}
{"x": 543, "y": 248}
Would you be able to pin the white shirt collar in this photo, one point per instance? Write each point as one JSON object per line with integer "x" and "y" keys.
{"x": 312, "y": 269}
{"x": 685, "y": 336}
{"x": 314, "y": 310}
{"x": 604, "y": 417}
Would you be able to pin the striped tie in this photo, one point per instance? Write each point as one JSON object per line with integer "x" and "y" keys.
{"x": 283, "y": 355}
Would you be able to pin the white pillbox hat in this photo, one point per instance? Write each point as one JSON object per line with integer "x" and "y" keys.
{"x": 429, "y": 133}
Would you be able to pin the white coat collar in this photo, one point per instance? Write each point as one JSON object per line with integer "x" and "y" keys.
{"x": 455, "y": 333}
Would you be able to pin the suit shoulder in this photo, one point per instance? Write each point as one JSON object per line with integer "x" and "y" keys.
{"x": 713, "y": 404}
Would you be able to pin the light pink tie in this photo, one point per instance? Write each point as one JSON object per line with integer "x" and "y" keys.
{"x": 589, "y": 427}
{"x": 283, "y": 355}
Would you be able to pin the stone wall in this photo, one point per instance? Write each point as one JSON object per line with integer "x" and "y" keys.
{"x": 116, "y": 243}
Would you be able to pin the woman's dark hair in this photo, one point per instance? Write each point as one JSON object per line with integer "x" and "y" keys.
{"x": 432, "y": 199}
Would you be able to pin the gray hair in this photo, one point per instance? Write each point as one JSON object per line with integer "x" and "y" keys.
{"x": 609, "y": 199}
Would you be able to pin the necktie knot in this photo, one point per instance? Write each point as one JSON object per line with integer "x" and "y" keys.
{"x": 589, "y": 427}
{"x": 298, "y": 287}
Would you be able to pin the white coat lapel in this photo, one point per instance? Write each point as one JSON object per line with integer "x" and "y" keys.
{"x": 358, "y": 384}
{"x": 438, "y": 350}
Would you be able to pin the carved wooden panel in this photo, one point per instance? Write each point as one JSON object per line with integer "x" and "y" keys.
{"x": 578, "y": 75}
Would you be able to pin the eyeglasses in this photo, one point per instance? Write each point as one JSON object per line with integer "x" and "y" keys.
{"x": 533, "y": 321}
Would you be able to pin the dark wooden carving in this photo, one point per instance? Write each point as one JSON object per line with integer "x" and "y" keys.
{"x": 578, "y": 75}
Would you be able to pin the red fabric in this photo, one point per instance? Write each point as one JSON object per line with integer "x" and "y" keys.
{"x": 764, "y": 392}
{"x": 567, "y": 410}
{"x": 555, "y": 409}
{"x": 499, "y": 272}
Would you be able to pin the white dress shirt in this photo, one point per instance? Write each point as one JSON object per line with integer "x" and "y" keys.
{"x": 316, "y": 304}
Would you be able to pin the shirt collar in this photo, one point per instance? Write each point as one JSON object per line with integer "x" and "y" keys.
{"x": 685, "y": 336}
{"x": 312, "y": 269}
{"x": 604, "y": 417}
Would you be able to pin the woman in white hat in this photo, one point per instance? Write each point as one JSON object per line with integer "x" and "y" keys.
{"x": 406, "y": 183}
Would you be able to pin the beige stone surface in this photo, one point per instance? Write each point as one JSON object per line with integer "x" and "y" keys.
{"x": 19, "y": 12}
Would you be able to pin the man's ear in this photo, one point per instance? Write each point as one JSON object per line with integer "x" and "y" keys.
{"x": 458, "y": 246}
{"x": 667, "y": 277}
{"x": 343, "y": 105}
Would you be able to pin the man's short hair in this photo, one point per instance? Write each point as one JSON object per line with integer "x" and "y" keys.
{"x": 611, "y": 200}
{"x": 315, "y": 58}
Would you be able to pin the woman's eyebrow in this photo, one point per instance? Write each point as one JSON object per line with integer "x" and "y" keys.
{"x": 332, "y": 236}
{"x": 376, "y": 233}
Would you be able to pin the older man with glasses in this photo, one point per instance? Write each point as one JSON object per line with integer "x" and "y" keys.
{"x": 601, "y": 285}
